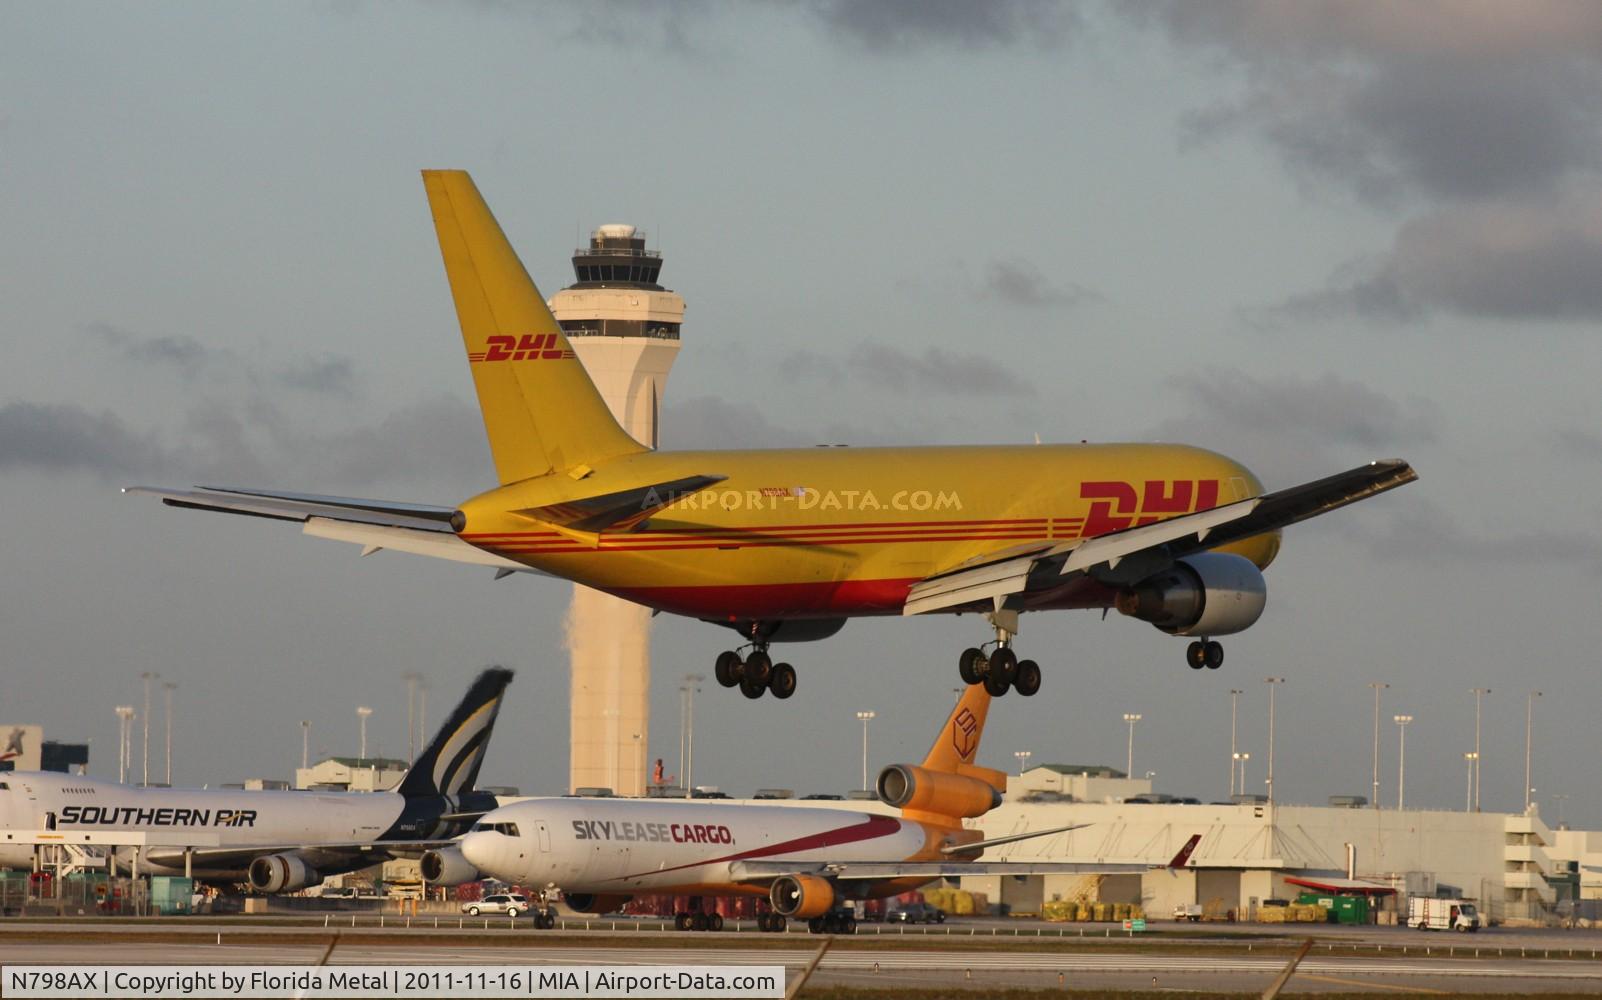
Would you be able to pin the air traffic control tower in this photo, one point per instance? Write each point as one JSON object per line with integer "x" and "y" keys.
{"x": 625, "y": 328}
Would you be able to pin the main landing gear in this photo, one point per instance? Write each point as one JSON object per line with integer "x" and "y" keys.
{"x": 756, "y": 673}
{"x": 1000, "y": 669}
{"x": 771, "y": 922}
{"x": 1207, "y": 653}
{"x": 834, "y": 922}
{"x": 697, "y": 919}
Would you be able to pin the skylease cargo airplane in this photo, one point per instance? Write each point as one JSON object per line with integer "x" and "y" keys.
{"x": 785, "y": 545}
{"x": 806, "y": 861}
{"x": 277, "y": 841}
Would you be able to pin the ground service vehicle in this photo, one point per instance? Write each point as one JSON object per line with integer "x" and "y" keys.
{"x": 916, "y": 913}
{"x": 509, "y": 903}
{"x": 1442, "y": 914}
{"x": 1188, "y": 911}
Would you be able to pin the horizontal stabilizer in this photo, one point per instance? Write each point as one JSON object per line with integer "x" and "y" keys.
{"x": 623, "y": 510}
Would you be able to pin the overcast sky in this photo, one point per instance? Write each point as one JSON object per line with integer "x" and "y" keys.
{"x": 1306, "y": 235}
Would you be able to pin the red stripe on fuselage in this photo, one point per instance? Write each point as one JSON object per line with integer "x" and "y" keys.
{"x": 871, "y": 828}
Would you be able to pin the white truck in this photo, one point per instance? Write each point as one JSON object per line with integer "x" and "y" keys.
{"x": 1192, "y": 912}
{"x": 1442, "y": 914}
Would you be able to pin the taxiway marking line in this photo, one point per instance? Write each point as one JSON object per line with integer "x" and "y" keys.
{"x": 1343, "y": 981}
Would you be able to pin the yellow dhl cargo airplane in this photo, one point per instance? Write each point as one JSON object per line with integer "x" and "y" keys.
{"x": 786, "y": 544}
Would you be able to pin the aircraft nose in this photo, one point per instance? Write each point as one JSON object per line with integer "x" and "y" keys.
{"x": 478, "y": 849}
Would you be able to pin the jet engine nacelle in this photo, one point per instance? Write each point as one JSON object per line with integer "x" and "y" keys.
{"x": 589, "y": 902}
{"x": 801, "y": 896}
{"x": 281, "y": 873}
{"x": 447, "y": 866}
{"x": 908, "y": 786}
{"x": 1211, "y": 593}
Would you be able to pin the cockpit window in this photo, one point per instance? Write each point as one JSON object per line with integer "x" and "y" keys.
{"x": 509, "y": 829}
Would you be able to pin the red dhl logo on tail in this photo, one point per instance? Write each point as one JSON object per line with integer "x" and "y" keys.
{"x": 1118, "y": 506}
{"x": 529, "y": 347}
{"x": 963, "y": 730}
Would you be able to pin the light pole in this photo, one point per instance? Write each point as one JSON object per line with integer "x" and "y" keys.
{"x": 125, "y": 714}
{"x": 866, "y": 717}
{"x": 167, "y": 688}
{"x": 362, "y": 712}
{"x": 1241, "y": 759}
{"x": 1559, "y": 799}
{"x": 691, "y": 689}
{"x": 1529, "y": 728}
{"x": 422, "y": 707}
{"x": 147, "y": 677}
{"x": 1272, "y": 682}
{"x": 1401, "y": 759}
{"x": 305, "y": 744}
{"x": 1129, "y": 765}
{"x": 1468, "y": 793}
{"x": 1023, "y": 760}
{"x": 1378, "y": 686}
{"x": 1478, "y": 694}
{"x": 1234, "y": 705}
{"x": 411, "y": 677}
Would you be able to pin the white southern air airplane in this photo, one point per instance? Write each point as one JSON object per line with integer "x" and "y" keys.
{"x": 277, "y": 841}
{"x": 806, "y": 861}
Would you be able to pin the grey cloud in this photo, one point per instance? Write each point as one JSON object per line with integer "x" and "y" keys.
{"x": 65, "y": 437}
{"x": 936, "y": 369}
{"x": 1289, "y": 429}
{"x": 713, "y": 423}
{"x": 1422, "y": 531}
{"x": 1019, "y": 282}
{"x": 1527, "y": 258}
{"x": 1448, "y": 100}
{"x": 894, "y": 25}
{"x": 328, "y": 375}
{"x": 183, "y": 353}
{"x": 1582, "y": 444}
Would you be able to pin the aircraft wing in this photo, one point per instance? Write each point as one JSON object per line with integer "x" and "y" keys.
{"x": 373, "y": 524}
{"x": 368, "y": 852}
{"x": 1147, "y": 548}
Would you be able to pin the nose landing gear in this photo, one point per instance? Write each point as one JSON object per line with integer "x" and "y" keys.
{"x": 1000, "y": 670}
{"x": 755, "y": 674}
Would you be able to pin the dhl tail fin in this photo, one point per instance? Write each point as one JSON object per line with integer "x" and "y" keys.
{"x": 948, "y": 786}
{"x": 541, "y": 411}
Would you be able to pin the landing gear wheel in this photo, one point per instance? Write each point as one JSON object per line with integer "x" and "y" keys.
{"x": 698, "y": 921}
{"x": 681, "y": 921}
{"x": 777, "y": 923}
{"x": 1003, "y": 667}
{"x": 1213, "y": 654}
{"x": 782, "y": 683}
{"x": 971, "y": 665}
{"x": 1196, "y": 655}
{"x": 727, "y": 668}
{"x": 848, "y": 925}
{"x": 760, "y": 666}
{"x": 815, "y": 925}
{"x": 715, "y": 922}
{"x": 1027, "y": 681}
{"x": 762, "y": 922}
{"x": 751, "y": 687}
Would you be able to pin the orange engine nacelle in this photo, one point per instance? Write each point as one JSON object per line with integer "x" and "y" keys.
{"x": 801, "y": 896}
{"x": 908, "y": 786}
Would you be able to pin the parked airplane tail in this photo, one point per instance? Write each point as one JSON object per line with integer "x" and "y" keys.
{"x": 449, "y": 764}
{"x": 948, "y": 786}
{"x": 541, "y": 411}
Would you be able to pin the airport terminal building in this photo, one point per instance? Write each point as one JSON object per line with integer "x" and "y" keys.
{"x": 1516, "y": 866}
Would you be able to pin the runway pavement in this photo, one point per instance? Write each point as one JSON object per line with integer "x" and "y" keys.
{"x": 923, "y": 966}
